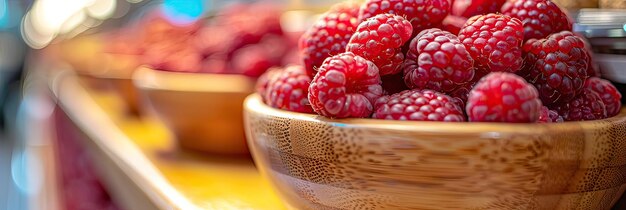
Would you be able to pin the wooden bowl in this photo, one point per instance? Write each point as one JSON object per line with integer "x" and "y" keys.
{"x": 204, "y": 111}
{"x": 319, "y": 163}
{"x": 113, "y": 72}
{"x": 118, "y": 73}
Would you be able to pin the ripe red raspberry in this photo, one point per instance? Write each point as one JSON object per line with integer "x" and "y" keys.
{"x": 263, "y": 82}
{"x": 587, "y": 106}
{"x": 540, "y": 17}
{"x": 329, "y": 36}
{"x": 422, "y": 14}
{"x": 611, "y": 97}
{"x": 494, "y": 41}
{"x": 346, "y": 85}
{"x": 437, "y": 60}
{"x": 379, "y": 39}
{"x": 288, "y": 90}
{"x": 470, "y": 8}
{"x": 453, "y": 24}
{"x": 557, "y": 66}
{"x": 549, "y": 116}
{"x": 419, "y": 105}
{"x": 503, "y": 97}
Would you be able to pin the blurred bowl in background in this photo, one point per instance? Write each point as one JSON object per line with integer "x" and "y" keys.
{"x": 117, "y": 72}
{"x": 101, "y": 70}
{"x": 204, "y": 111}
{"x": 318, "y": 163}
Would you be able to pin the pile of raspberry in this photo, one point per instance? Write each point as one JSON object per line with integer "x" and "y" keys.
{"x": 433, "y": 60}
{"x": 237, "y": 40}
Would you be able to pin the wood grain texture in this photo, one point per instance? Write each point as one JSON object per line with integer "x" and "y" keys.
{"x": 319, "y": 163}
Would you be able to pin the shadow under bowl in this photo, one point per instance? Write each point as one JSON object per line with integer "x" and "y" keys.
{"x": 203, "y": 111}
{"x": 318, "y": 163}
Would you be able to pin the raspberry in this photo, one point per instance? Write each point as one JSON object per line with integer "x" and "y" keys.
{"x": 437, "y": 60}
{"x": 248, "y": 25}
{"x": 549, "y": 116}
{"x": 494, "y": 41}
{"x": 422, "y": 14}
{"x": 329, "y": 36}
{"x": 540, "y": 17}
{"x": 288, "y": 90}
{"x": 346, "y": 85}
{"x": 419, "y": 105}
{"x": 503, "y": 97}
{"x": 609, "y": 94}
{"x": 470, "y": 8}
{"x": 587, "y": 106}
{"x": 263, "y": 82}
{"x": 453, "y": 24}
{"x": 379, "y": 39}
{"x": 254, "y": 59}
{"x": 557, "y": 66}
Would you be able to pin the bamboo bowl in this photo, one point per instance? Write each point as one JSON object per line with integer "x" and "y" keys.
{"x": 204, "y": 111}
{"x": 318, "y": 163}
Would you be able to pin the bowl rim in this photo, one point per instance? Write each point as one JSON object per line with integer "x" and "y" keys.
{"x": 253, "y": 103}
{"x": 147, "y": 78}
{"x": 109, "y": 73}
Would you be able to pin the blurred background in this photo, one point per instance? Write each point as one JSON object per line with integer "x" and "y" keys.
{"x": 201, "y": 36}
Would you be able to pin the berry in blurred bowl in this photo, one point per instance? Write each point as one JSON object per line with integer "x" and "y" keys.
{"x": 196, "y": 77}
